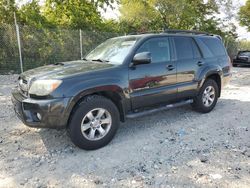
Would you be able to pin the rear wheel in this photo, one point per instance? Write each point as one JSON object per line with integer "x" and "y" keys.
{"x": 207, "y": 98}
{"x": 94, "y": 123}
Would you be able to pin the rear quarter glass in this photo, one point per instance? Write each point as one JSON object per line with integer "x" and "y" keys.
{"x": 211, "y": 47}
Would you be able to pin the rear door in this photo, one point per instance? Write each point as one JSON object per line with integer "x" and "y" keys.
{"x": 188, "y": 62}
{"x": 154, "y": 83}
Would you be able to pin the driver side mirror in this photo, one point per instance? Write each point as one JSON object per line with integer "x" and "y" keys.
{"x": 142, "y": 58}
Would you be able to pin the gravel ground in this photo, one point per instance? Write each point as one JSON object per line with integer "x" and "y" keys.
{"x": 175, "y": 148}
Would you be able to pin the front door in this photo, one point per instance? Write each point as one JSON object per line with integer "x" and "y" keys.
{"x": 153, "y": 83}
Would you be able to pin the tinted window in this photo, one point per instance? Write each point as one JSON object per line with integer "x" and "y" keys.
{"x": 184, "y": 48}
{"x": 214, "y": 45}
{"x": 244, "y": 54}
{"x": 196, "y": 50}
{"x": 113, "y": 50}
{"x": 159, "y": 49}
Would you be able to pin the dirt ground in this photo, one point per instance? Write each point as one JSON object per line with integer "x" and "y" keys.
{"x": 175, "y": 148}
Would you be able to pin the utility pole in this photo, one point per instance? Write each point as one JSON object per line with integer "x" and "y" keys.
{"x": 81, "y": 43}
{"x": 19, "y": 43}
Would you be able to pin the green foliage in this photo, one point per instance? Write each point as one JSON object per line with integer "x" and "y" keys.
{"x": 244, "y": 15}
{"x": 231, "y": 45}
{"x": 30, "y": 14}
{"x": 244, "y": 45}
{"x": 8, "y": 48}
{"x": 73, "y": 14}
{"x": 139, "y": 15}
{"x": 7, "y": 9}
{"x": 159, "y": 14}
{"x": 50, "y": 31}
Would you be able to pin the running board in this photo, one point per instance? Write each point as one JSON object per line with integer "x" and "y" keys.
{"x": 169, "y": 106}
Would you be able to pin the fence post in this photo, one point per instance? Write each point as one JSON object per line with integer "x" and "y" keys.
{"x": 19, "y": 43}
{"x": 81, "y": 44}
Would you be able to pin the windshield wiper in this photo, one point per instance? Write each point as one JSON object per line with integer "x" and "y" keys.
{"x": 59, "y": 63}
{"x": 100, "y": 60}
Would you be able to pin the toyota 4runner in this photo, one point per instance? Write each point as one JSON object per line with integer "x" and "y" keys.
{"x": 124, "y": 77}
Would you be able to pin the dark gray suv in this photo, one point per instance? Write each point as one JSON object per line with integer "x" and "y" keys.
{"x": 124, "y": 77}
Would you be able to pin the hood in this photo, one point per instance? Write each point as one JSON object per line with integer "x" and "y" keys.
{"x": 65, "y": 69}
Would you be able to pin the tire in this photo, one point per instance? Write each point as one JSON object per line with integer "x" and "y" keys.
{"x": 200, "y": 104}
{"x": 81, "y": 119}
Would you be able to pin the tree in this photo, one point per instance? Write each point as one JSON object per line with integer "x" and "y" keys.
{"x": 74, "y": 14}
{"x": 139, "y": 15}
{"x": 7, "y": 9}
{"x": 244, "y": 45}
{"x": 30, "y": 14}
{"x": 244, "y": 15}
{"x": 159, "y": 14}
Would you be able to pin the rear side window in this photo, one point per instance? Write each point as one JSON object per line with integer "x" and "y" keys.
{"x": 159, "y": 49}
{"x": 186, "y": 48}
{"x": 214, "y": 45}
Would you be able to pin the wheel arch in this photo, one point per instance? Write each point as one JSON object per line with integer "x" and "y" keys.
{"x": 214, "y": 75}
{"x": 113, "y": 93}
{"x": 217, "y": 79}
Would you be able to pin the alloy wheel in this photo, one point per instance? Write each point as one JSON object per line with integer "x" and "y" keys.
{"x": 96, "y": 124}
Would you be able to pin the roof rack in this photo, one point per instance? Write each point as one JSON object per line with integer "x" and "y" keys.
{"x": 193, "y": 32}
{"x": 173, "y": 31}
{"x": 177, "y": 31}
{"x": 146, "y": 32}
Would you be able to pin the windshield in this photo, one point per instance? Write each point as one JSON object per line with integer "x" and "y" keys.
{"x": 244, "y": 54}
{"x": 113, "y": 50}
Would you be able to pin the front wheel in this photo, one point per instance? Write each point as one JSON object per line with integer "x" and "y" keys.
{"x": 94, "y": 123}
{"x": 207, "y": 98}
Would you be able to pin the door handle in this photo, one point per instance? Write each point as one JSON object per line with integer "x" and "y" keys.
{"x": 200, "y": 63}
{"x": 170, "y": 67}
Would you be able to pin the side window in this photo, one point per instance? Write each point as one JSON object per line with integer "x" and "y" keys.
{"x": 184, "y": 48}
{"x": 214, "y": 45}
{"x": 159, "y": 49}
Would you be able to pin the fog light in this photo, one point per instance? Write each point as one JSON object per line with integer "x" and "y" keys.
{"x": 39, "y": 116}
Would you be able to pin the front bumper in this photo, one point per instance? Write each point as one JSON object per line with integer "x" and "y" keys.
{"x": 240, "y": 62}
{"x": 54, "y": 112}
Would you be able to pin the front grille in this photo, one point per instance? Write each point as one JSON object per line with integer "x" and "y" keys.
{"x": 243, "y": 58}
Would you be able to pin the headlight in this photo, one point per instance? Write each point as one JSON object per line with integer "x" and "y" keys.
{"x": 44, "y": 87}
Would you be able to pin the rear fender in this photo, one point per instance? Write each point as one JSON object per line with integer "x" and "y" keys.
{"x": 208, "y": 71}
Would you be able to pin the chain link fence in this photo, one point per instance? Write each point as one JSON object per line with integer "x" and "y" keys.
{"x": 9, "y": 56}
{"x": 44, "y": 46}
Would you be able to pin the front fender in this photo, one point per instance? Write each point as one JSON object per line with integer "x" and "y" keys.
{"x": 111, "y": 87}
{"x": 80, "y": 89}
